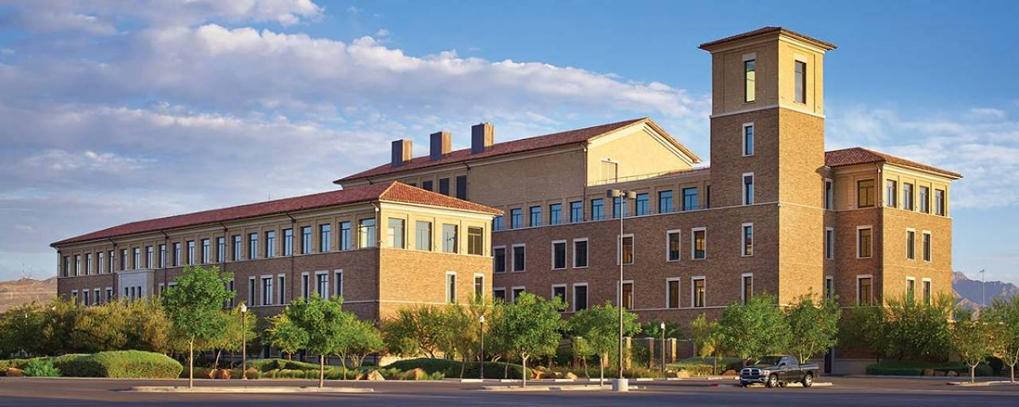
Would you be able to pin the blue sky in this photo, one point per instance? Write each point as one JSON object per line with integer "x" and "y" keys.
{"x": 119, "y": 111}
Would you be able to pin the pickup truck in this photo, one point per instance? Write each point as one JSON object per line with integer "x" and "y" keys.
{"x": 777, "y": 371}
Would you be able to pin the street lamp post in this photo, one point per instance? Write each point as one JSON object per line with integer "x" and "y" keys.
{"x": 244, "y": 342}
{"x": 662, "y": 325}
{"x": 481, "y": 357}
{"x": 623, "y": 196}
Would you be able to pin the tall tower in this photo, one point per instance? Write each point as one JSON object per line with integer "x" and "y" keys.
{"x": 767, "y": 151}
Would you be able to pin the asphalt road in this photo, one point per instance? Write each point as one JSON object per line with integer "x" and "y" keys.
{"x": 856, "y": 392}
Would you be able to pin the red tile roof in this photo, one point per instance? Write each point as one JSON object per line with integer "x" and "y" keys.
{"x": 510, "y": 147}
{"x": 860, "y": 155}
{"x": 767, "y": 30}
{"x": 385, "y": 192}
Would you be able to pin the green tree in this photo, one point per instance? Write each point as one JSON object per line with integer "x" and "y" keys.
{"x": 21, "y": 329}
{"x": 754, "y": 329}
{"x": 599, "y": 328}
{"x": 814, "y": 327}
{"x": 532, "y": 327}
{"x": 195, "y": 307}
{"x": 971, "y": 339}
{"x": 415, "y": 330}
{"x": 583, "y": 350}
{"x": 146, "y": 325}
{"x": 1004, "y": 315}
{"x": 234, "y": 334}
{"x": 864, "y": 328}
{"x": 284, "y": 335}
{"x": 323, "y": 321}
{"x": 918, "y": 331}
{"x": 706, "y": 339}
{"x": 361, "y": 339}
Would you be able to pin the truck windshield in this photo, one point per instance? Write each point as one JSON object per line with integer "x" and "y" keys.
{"x": 770, "y": 360}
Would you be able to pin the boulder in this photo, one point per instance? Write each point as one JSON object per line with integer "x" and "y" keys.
{"x": 14, "y": 372}
{"x": 375, "y": 376}
{"x": 730, "y": 372}
{"x": 952, "y": 373}
{"x": 221, "y": 374}
{"x": 683, "y": 374}
{"x": 415, "y": 374}
{"x": 359, "y": 376}
{"x": 571, "y": 376}
{"x": 251, "y": 373}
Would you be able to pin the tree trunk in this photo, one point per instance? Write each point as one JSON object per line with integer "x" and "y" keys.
{"x": 601, "y": 366}
{"x": 1011, "y": 370}
{"x": 215, "y": 365}
{"x": 972, "y": 373}
{"x": 321, "y": 370}
{"x": 191, "y": 363}
{"x": 505, "y": 370}
{"x": 463, "y": 365}
{"x": 524, "y": 376}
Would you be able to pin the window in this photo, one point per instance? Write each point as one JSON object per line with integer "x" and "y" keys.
{"x": 579, "y": 297}
{"x": 346, "y": 241}
{"x": 747, "y": 238}
{"x": 497, "y": 223}
{"x": 479, "y": 287}
{"x": 499, "y": 294}
{"x": 576, "y": 212}
{"x": 619, "y": 208}
{"x": 516, "y": 218}
{"x": 427, "y": 185}
{"x": 891, "y": 192}
{"x": 863, "y": 242}
{"x": 672, "y": 245}
{"x": 305, "y": 286}
{"x": 697, "y": 292}
{"x": 829, "y": 287}
{"x": 535, "y": 212}
{"x": 665, "y": 201}
{"x": 123, "y": 261}
{"x": 252, "y": 289}
{"x": 499, "y": 255}
{"x": 288, "y": 242}
{"x": 559, "y": 291}
{"x": 109, "y": 260}
{"x": 910, "y": 289}
{"x": 322, "y": 284}
{"x": 555, "y": 214}
{"x": 475, "y": 241}
{"x": 230, "y": 288}
{"x": 597, "y": 209}
{"x": 236, "y": 248}
{"x": 267, "y": 290}
{"x": 748, "y": 188}
{"x": 672, "y": 293}
{"x": 829, "y": 243}
{"x": 444, "y": 186}
{"x": 423, "y": 235}
{"x": 150, "y": 254}
{"x": 749, "y": 80}
{"x": 67, "y": 266}
{"x": 461, "y": 186}
{"x": 925, "y": 202}
{"x": 927, "y": 291}
{"x": 558, "y": 254}
{"x": 864, "y": 294}
{"x": 628, "y": 294}
{"x": 449, "y": 238}
{"x": 252, "y": 246}
{"x": 176, "y": 255}
{"x": 366, "y": 236}
{"x": 337, "y": 283}
{"x": 136, "y": 260}
{"x": 282, "y": 289}
{"x": 84, "y": 298}
{"x": 689, "y": 199}
{"x": 801, "y": 82}
{"x": 206, "y": 251}
{"x": 829, "y": 194}
{"x": 101, "y": 263}
{"x": 748, "y": 139}
{"x": 926, "y": 246}
{"x": 325, "y": 234}
{"x": 450, "y": 288}
{"x": 270, "y": 244}
{"x": 626, "y": 254}
{"x": 865, "y": 193}
{"x": 221, "y": 249}
{"x": 395, "y": 233}
{"x": 109, "y": 294}
{"x": 707, "y": 196}
{"x": 910, "y": 244}
{"x": 518, "y": 257}
{"x": 305, "y": 239}
{"x": 698, "y": 240}
{"x": 747, "y": 288}
{"x": 88, "y": 264}
{"x": 939, "y": 202}
{"x": 907, "y": 196}
{"x": 517, "y": 292}
{"x": 579, "y": 253}
{"x": 641, "y": 205}
{"x": 191, "y": 252}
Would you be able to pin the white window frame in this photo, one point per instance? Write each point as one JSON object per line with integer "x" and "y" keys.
{"x": 272, "y": 289}
{"x": 619, "y": 249}
{"x": 925, "y": 281}
{"x": 474, "y": 279}
{"x": 678, "y": 232}
{"x": 319, "y": 273}
{"x": 633, "y": 294}
{"x": 552, "y": 293}
{"x": 743, "y": 188}
{"x": 908, "y": 230}
{"x": 445, "y": 282}
{"x": 829, "y": 200}
{"x": 743, "y": 139}
{"x": 829, "y": 248}
{"x": 679, "y": 291}
{"x": 337, "y": 280}
{"x": 693, "y": 242}
{"x": 513, "y": 292}
{"x": 566, "y": 255}
{"x": 306, "y": 285}
{"x": 494, "y": 289}
{"x": 587, "y": 253}
{"x": 281, "y": 290}
{"x": 252, "y": 291}
{"x": 693, "y": 294}
{"x": 871, "y": 294}
{"x": 743, "y": 240}
{"x": 927, "y": 238}
{"x": 513, "y": 258}
{"x": 506, "y": 266}
{"x": 908, "y": 280}
{"x": 858, "y": 247}
{"x": 587, "y": 297}
{"x": 742, "y": 293}
{"x": 826, "y": 280}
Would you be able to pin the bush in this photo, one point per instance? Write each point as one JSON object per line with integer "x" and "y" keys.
{"x": 704, "y": 366}
{"x": 451, "y": 368}
{"x": 41, "y": 367}
{"x": 15, "y": 363}
{"x": 120, "y": 364}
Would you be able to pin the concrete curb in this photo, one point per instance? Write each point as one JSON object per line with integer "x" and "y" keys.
{"x": 247, "y": 389}
{"x": 983, "y": 384}
{"x": 578, "y": 387}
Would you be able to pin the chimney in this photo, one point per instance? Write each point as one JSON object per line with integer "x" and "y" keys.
{"x": 441, "y": 145}
{"x": 403, "y": 151}
{"x": 482, "y": 136}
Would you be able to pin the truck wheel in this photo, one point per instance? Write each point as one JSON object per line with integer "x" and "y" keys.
{"x": 808, "y": 380}
{"x": 772, "y": 381}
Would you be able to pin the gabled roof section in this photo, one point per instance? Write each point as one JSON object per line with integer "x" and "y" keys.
{"x": 383, "y": 192}
{"x": 827, "y": 46}
{"x": 860, "y": 155}
{"x": 516, "y": 146}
